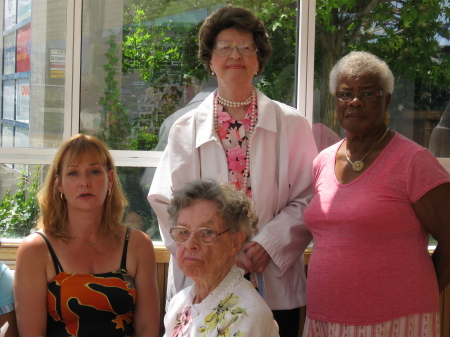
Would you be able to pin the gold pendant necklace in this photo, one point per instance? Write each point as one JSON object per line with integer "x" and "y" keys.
{"x": 83, "y": 242}
{"x": 359, "y": 164}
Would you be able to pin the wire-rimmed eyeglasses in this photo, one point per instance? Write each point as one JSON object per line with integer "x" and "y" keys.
{"x": 365, "y": 96}
{"x": 205, "y": 235}
{"x": 225, "y": 48}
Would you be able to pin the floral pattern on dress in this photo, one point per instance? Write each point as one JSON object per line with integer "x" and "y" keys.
{"x": 234, "y": 135}
{"x": 184, "y": 319}
{"x": 222, "y": 318}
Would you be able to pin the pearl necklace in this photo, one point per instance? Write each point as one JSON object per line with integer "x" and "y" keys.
{"x": 84, "y": 242}
{"x": 232, "y": 104}
{"x": 251, "y": 99}
{"x": 359, "y": 164}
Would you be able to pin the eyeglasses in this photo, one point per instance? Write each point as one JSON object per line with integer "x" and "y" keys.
{"x": 205, "y": 235}
{"x": 224, "y": 48}
{"x": 365, "y": 96}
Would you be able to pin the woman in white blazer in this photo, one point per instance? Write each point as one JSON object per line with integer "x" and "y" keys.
{"x": 264, "y": 147}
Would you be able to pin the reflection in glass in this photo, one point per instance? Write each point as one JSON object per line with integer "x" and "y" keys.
{"x": 412, "y": 37}
{"x": 18, "y": 203}
{"x": 140, "y": 72}
{"x": 33, "y": 96}
{"x": 19, "y": 209}
{"x": 140, "y": 65}
{"x": 440, "y": 136}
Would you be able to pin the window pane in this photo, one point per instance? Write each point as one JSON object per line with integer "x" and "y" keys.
{"x": 140, "y": 65}
{"x": 140, "y": 68}
{"x": 18, "y": 204}
{"x": 33, "y": 80}
{"x": 413, "y": 37}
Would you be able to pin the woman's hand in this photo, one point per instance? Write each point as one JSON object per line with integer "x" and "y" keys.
{"x": 253, "y": 258}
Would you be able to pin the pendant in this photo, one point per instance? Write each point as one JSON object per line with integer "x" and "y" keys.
{"x": 358, "y": 165}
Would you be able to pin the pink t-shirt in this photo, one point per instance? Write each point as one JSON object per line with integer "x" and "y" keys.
{"x": 370, "y": 261}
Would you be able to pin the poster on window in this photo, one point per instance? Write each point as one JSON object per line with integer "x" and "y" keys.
{"x": 23, "y": 100}
{"x": 23, "y": 49}
{"x": 57, "y": 63}
{"x": 24, "y": 10}
{"x": 9, "y": 92}
{"x": 10, "y": 14}
{"x": 9, "y": 54}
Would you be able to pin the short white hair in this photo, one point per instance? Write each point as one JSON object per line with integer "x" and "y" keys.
{"x": 358, "y": 63}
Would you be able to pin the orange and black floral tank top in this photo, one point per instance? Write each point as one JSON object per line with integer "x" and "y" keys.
{"x": 90, "y": 304}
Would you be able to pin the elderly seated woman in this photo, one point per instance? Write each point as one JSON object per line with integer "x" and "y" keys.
{"x": 210, "y": 221}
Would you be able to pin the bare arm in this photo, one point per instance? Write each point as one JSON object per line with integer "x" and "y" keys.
{"x": 30, "y": 287}
{"x": 146, "y": 313}
{"x": 433, "y": 211}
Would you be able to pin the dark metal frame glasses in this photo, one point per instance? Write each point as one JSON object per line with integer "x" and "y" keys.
{"x": 365, "y": 95}
{"x": 205, "y": 235}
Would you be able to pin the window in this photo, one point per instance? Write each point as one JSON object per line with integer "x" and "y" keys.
{"x": 119, "y": 69}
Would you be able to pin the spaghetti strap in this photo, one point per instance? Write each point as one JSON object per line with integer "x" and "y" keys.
{"x": 123, "y": 263}
{"x": 58, "y": 267}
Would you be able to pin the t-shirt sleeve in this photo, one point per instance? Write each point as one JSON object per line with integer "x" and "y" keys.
{"x": 6, "y": 290}
{"x": 425, "y": 174}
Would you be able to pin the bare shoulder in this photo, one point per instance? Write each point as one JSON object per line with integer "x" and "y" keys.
{"x": 139, "y": 236}
{"x": 33, "y": 244}
{"x": 32, "y": 257}
{"x": 140, "y": 243}
{"x": 141, "y": 255}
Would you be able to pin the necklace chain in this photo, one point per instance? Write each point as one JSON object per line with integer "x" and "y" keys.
{"x": 84, "y": 242}
{"x": 359, "y": 164}
{"x": 251, "y": 99}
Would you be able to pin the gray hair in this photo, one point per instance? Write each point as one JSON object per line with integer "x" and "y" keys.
{"x": 359, "y": 63}
{"x": 232, "y": 205}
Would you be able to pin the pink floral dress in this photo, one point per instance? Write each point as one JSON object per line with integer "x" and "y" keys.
{"x": 234, "y": 136}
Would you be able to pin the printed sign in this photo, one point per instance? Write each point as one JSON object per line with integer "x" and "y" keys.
{"x": 24, "y": 11}
{"x": 23, "y": 48}
{"x": 23, "y": 100}
{"x": 57, "y": 63}
{"x": 10, "y": 14}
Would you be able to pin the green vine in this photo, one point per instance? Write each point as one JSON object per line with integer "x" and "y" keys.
{"x": 115, "y": 125}
{"x": 18, "y": 212}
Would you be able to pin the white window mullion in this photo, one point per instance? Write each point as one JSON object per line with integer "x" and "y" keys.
{"x": 306, "y": 42}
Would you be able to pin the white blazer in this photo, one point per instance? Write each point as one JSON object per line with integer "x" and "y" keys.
{"x": 281, "y": 156}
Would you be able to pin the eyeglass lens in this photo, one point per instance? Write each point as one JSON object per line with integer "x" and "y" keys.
{"x": 224, "y": 48}
{"x": 366, "y": 96}
{"x": 206, "y": 236}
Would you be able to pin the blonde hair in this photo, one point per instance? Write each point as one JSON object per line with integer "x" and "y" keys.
{"x": 53, "y": 208}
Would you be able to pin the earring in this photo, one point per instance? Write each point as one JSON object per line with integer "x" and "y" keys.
{"x": 62, "y": 196}
{"x": 109, "y": 191}
{"x": 212, "y": 73}
{"x": 387, "y": 118}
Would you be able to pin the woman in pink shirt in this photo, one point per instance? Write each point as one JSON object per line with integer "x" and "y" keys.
{"x": 377, "y": 198}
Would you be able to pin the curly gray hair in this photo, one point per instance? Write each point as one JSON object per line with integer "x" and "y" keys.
{"x": 359, "y": 63}
{"x": 232, "y": 205}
